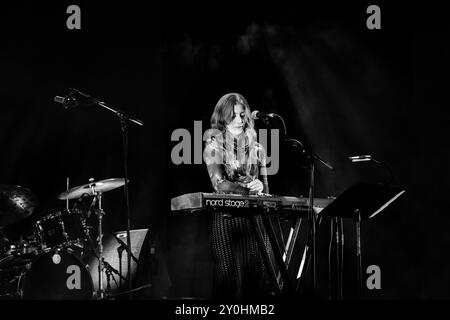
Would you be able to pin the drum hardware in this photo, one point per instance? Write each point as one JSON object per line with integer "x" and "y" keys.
{"x": 108, "y": 268}
{"x": 100, "y": 213}
{"x": 92, "y": 188}
{"x": 96, "y": 189}
{"x": 103, "y": 266}
{"x": 22, "y": 248}
{"x": 67, "y": 188}
{"x": 16, "y": 257}
{"x": 11, "y": 268}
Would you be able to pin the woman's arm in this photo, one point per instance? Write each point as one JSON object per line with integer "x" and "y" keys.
{"x": 220, "y": 184}
{"x": 212, "y": 157}
{"x": 262, "y": 167}
{"x": 263, "y": 178}
{"x": 261, "y": 183}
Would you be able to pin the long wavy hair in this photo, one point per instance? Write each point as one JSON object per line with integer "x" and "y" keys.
{"x": 224, "y": 112}
{"x": 224, "y": 149}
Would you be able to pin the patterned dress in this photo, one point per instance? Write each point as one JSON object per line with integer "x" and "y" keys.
{"x": 233, "y": 162}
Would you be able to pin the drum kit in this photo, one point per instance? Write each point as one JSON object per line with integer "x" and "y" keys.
{"x": 48, "y": 264}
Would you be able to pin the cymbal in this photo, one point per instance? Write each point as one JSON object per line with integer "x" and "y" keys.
{"x": 91, "y": 188}
{"x": 16, "y": 203}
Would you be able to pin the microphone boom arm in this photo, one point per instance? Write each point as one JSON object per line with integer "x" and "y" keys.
{"x": 119, "y": 113}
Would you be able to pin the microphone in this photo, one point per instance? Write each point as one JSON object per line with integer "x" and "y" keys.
{"x": 74, "y": 99}
{"x": 67, "y": 102}
{"x": 367, "y": 157}
{"x": 263, "y": 115}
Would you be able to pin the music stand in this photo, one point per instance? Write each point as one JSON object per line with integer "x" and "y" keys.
{"x": 362, "y": 201}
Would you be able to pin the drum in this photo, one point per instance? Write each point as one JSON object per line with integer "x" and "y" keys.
{"x": 16, "y": 256}
{"x": 11, "y": 268}
{"x": 23, "y": 248}
{"x": 56, "y": 275}
{"x": 62, "y": 229}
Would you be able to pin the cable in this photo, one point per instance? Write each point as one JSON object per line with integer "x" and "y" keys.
{"x": 284, "y": 126}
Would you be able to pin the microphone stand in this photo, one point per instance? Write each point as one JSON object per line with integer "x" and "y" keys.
{"x": 354, "y": 159}
{"x": 124, "y": 118}
{"x": 119, "y": 252}
{"x": 111, "y": 269}
{"x": 123, "y": 246}
{"x": 312, "y": 157}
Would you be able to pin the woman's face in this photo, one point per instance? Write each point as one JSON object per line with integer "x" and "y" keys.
{"x": 236, "y": 126}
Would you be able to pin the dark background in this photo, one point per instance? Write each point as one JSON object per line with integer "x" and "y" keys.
{"x": 342, "y": 89}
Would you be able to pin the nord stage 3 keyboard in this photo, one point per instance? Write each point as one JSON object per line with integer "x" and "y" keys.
{"x": 218, "y": 201}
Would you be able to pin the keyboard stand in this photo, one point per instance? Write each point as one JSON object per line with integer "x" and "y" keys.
{"x": 277, "y": 265}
